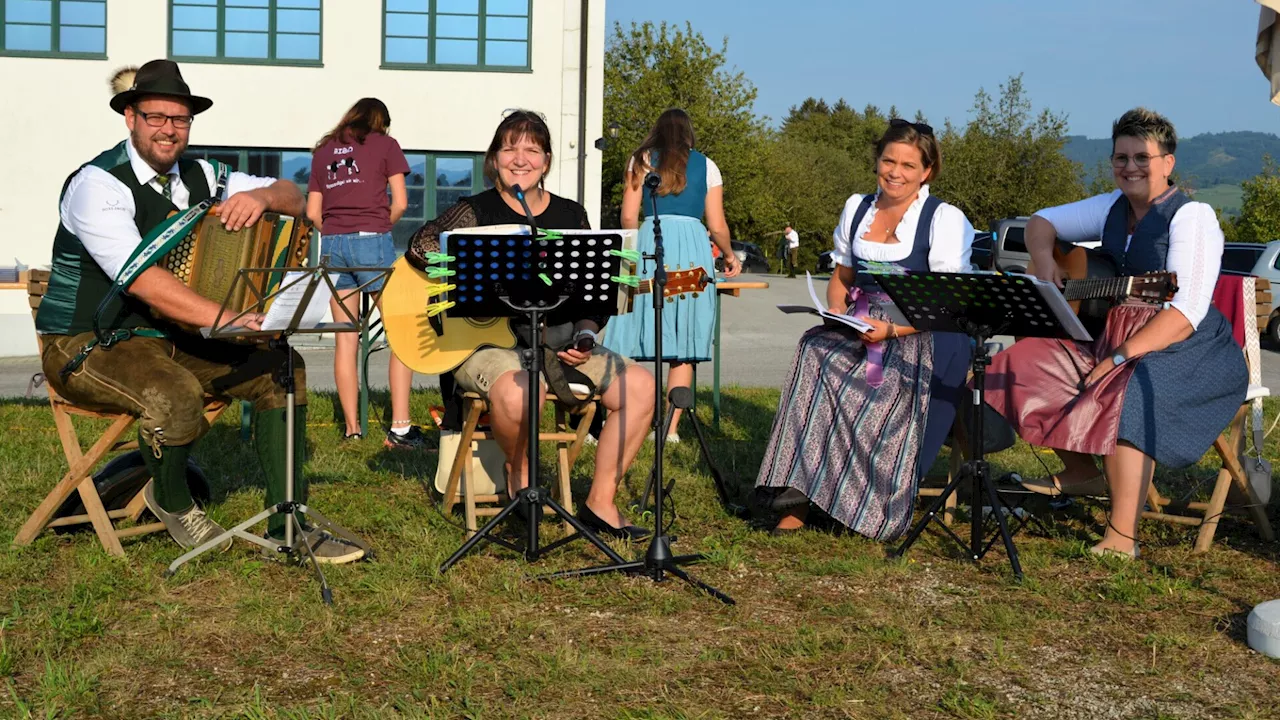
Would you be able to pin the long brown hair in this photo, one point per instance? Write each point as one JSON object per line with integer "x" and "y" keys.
{"x": 368, "y": 115}
{"x": 520, "y": 123}
{"x": 671, "y": 138}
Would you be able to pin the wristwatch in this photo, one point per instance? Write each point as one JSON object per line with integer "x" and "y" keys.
{"x": 585, "y": 340}
{"x": 1118, "y": 359}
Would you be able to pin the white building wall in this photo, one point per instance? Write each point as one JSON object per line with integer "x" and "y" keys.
{"x": 58, "y": 118}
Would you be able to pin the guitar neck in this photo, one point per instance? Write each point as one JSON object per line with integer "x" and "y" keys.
{"x": 1093, "y": 288}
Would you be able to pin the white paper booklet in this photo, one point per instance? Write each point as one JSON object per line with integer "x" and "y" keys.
{"x": 286, "y": 304}
{"x": 819, "y": 309}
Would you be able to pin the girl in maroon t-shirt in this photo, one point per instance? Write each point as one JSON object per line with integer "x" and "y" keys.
{"x": 351, "y": 170}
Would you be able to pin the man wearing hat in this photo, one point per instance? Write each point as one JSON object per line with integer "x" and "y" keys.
{"x": 121, "y": 351}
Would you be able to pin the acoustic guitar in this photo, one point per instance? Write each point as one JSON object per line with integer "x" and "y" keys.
{"x": 435, "y": 345}
{"x": 1092, "y": 286}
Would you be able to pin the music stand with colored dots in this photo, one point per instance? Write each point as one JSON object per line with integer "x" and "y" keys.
{"x": 496, "y": 275}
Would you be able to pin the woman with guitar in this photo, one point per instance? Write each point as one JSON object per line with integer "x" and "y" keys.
{"x": 863, "y": 415}
{"x": 1161, "y": 382}
{"x": 519, "y": 156}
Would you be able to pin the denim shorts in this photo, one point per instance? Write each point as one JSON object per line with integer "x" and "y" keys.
{"x": 355, "y": 250}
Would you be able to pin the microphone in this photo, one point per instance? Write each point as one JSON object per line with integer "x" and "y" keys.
{"x": 652, "y": 181}
{"x": 519, "y": 193}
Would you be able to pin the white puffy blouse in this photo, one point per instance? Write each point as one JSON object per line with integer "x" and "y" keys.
{"x": 1195, "y": 245}
{"x": 951, "y": 237}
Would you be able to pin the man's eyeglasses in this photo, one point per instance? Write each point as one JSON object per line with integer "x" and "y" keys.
{"x": 156, "y": 120}
{"x": 1142, "y": 160}
{"x": 921, "y": 128}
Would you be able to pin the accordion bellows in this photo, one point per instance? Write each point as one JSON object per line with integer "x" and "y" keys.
{"x": 210, "y": 258}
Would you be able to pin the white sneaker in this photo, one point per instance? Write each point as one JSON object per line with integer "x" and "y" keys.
{"x": 672, "y": 439}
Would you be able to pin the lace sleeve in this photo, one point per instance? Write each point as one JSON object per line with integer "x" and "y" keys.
{"x": 427, "y": 238}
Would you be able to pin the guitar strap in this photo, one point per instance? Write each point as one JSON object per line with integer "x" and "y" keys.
{"x": 553, "y": 371}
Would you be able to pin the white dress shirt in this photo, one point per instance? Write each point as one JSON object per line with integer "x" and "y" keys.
{"x": 793, "y": 239}
{"x": 951, "y": 237}
{"x": 99, "y": 209}
{"x": 1195, "y": 245}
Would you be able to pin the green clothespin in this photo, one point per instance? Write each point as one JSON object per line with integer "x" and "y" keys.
{"x": 631, "y": 280}
{"x": 436, "y": 272}
{"x": 632, "y": 255}
{"x": 551, "y": 235}
{"x": 437, "y": 258}
{"x": 543, "y": 277}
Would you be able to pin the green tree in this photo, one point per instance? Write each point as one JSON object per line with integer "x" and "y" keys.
{"x": 649, "y": 68}
{"x": 1007, "y": 161}
{"x": 1259, "y": 219}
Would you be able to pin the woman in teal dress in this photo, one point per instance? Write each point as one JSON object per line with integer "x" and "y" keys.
{"x": 691, "y": 189}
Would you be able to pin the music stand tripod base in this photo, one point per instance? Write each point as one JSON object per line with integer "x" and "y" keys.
{"x": 295, "y": 544}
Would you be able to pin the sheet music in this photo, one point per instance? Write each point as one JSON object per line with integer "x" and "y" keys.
{"x": 286, "y": 304}
{"x": 1061, "y": 310}
{"x": 820, "y": 310}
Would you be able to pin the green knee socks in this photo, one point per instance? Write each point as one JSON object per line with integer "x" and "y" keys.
{"x": 170, "y": 474}
{"x": 269, "y": 441}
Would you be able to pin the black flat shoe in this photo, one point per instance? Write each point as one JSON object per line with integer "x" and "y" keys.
{"x": 634, "y": 533}
{"x": 787, "y": 499}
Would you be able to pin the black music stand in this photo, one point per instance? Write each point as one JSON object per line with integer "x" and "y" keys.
{"x": 979, "y": 305}
{"x": 290, "y": 286}
{"x": 531, "y": 275}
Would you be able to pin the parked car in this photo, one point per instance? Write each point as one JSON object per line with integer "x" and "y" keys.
{"x": 1260, "y": 261}
{"x": 749, "y": 255}
{"x": 1010, "y": 246}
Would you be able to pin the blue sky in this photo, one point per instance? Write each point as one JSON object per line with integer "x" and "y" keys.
{"x": 1092, "y": 59}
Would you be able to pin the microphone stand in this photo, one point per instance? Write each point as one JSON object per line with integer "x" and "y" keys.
{"x": 658, "y": 560}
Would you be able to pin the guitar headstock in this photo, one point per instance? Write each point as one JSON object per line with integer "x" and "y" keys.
{"x": 1156, "y": 287}
{"x": 679, "y": 282}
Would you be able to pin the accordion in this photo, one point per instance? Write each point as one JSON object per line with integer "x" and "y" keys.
{"x": 211, "y": 257}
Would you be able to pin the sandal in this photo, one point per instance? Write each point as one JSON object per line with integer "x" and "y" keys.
{"x": 1052, "y": 486}
{"x": 1112, "y": 552}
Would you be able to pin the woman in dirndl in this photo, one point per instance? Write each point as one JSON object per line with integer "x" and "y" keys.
{"x": 862, "y": 416}
{"x": 691, "y": 189}
{"x": 1161, "y": 382}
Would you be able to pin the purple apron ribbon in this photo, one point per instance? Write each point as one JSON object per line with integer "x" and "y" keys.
{"x": 875, "y": 351}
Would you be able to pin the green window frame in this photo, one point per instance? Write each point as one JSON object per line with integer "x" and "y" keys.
{"x": 247, "y": 32}
{"x": 70, "y": 28}
{"x": 466, "y": 35}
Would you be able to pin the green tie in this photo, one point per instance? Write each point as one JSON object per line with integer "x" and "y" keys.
{"x": 165, "y": 188}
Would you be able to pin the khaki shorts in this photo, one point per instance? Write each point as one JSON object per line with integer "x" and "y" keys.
{"x": 486, "y": 365}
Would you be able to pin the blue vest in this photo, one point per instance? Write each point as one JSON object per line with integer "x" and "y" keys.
{"x": 690, "y": 202}
{"x": 918, "y": 259}
{"x": 1149, "y": 247}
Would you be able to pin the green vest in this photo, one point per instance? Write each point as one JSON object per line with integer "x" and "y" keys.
{"x": 77, "y": 284}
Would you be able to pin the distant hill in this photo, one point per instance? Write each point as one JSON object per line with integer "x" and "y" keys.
{"x": 1205, "y": 160}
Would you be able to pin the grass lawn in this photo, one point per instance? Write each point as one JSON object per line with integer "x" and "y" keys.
{"x": 825, "y": 625}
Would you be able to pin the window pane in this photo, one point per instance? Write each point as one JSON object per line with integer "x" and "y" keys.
{"x": 195, "y": 44}
{"x": 28, "y": 11}
{"x": 264, "y": 164}
{"x": 314, "y": 4}
{"x": 230, "y": 157}
{"x": 417, "y": 203}
{"x": 407, "y": 6}
{"x": 298, "y": 21}
{"x": 83, "y": 13}
{"x": 458, "y": 6}
{"x": 195, "y": 18}
{"x": 506, "y": 53}
{"x": 246, "y": 45}
{"x": 297, "y": 47}
{"x": 456, "y": 26}
{"x": 406, "y": 50}
{"x": 406, "y": 25}
{"x": 417, "y": 176}
{"x": 247, "y": 3}
{"x": 507, "y": 7}
{"x": 501, "y": 28}
{"x": 296, "y": 166}
{"x": 454, "y": 172}
{"x": 456, "y": 52}
{"x": 195, "y": 2}
{"x": 27, "y": 37}
{"x": 82, "y": 40}
{"x": 446, "y": 199}
{"x": 246, "y": 20}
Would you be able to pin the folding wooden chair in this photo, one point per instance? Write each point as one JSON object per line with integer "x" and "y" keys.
{"x": 568, "y": 442}
{"x": 79, "y": 476}
{"x": 1232, "y": 479}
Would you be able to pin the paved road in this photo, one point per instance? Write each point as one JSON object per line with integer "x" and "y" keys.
{"x": 758, "y": 342}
